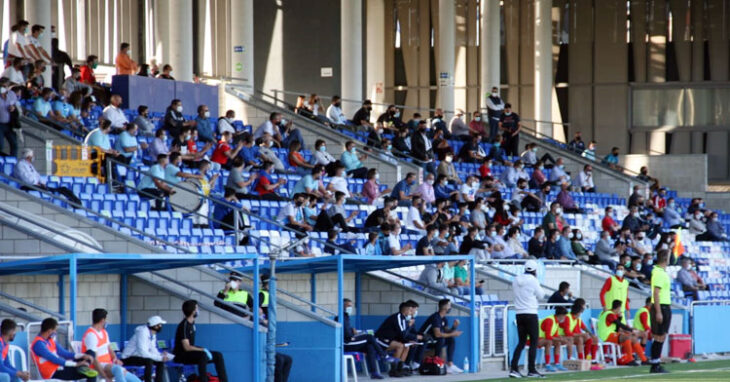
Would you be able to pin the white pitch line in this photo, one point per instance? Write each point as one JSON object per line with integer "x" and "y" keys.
{"x": 647, "y": 375}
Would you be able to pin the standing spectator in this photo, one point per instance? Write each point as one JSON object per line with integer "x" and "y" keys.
{"x": 87, "y": 70}
{"x": 17, "y": 44}
{"x": 352, "y": 161}
{"x": 495, "y": 108}
{"x": 123, "y": 62}
{"x": 644, "y": 176}
{"x": 510, "y": 124}
{"x": 334, "y": 111}
{"x": 141, "y": 350}
{"x": 166, "y": 73}
{"x": 174, "y": 120}
{"x": 202, "y": 121}
{"x": 225, "y": 123}
{"x": 9, "y": 112}
{"x": 361, "y": 119}
{"x": 459, "y": 129}
{"x": 584, "y": 179}
{"x": 187, "y": 353}
{"x": 563, "y": 295}
{"x": 714, "y": 231}
{"x": 34, "y": 45}
{"x": 536, "y": 245}
{"x": 612, "y": 159}
{"x": 527, "y": 290}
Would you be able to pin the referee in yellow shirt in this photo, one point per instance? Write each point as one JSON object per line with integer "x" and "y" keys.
{"x": 661, "y": 311}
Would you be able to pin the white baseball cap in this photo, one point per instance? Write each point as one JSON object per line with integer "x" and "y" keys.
{"x": 531, "y": 265}
{"x": 155, "y": 320}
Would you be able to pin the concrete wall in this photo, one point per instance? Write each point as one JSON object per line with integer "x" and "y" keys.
{"x": 678, "y": 172}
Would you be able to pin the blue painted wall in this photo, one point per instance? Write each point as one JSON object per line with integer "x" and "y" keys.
{"x": 157, "y": 94}
{"x": 315, "y": 348}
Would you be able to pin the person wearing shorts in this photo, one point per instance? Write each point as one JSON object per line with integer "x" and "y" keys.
{"x": 611, "y": 329}
{"x": 661, "y": 312}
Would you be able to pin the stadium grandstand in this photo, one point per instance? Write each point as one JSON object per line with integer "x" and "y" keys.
{"x": 324, "y": 190}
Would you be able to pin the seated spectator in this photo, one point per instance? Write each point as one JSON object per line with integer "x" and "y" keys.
{"x": 565, "y": 246}
{"x": 224, "y": 154}
{"x": 478, "y": 127}
{"x": 442, "y": 190}
{"x": 437, "y": 327}
{"x": 292, "y": 215}
{"x": 647, "y": 264}
{"x": 523, "y": 199}
{"x": 25, "y": 172}
{"x": 125, "y": 64}
{"x": 511, "y": 174}
{"x": 152, "y": 186}
{"x": 632, "y": 222}
{"x": 422, "y": 147}
{"x": 73, "y": 84}
{"x": 361, "y": 119}
{"x": 35, "y": 80}
{"x": 114, "y": 113}
{"x": 166, "y": 73}
{"x": 95, "y": 343}
{"x": 402, "y": 190}
{"x": 513, "y": 242}
{"x": 394, "y": 243}
{"x": 565, "y": 199}
{"x": 352, "y": 161}
{"x": 42, "y": 108}
{"x": 478, "y": 216}
{"x": 14, "y": 72}
{"x": 544, "y": 196}
{"x": 188, "y": 354}
{"x": 237, "y": 183}
{"x": 444, "y": 244}
{"x": 265, "y": 144}
{"x": 296, "y": 159}
{"x": 442, "y": 148}
{"x": 461, "y": 279}
{"x": 8, "y": 372}
{"x": 584, "y": 179}
{"x": 458, "y": 129}
{"x": 536, "y": 245}
{"x": 9, "y": 112}
{"x": 321, "y": 156}
{"x": 281, "y": 131}
{"x": 590, "y": 152}
{"x": 552, "y": 248}
{"x": 612, "y": 159}
{"x": 563, "y": 295}
{"x": 496, "y": 237}
{"x": 249, "y": 153}
{"x": 424, "y": 247}
{"x": 265, "y": 187}
{"x": 390, "y": 120}
{"x": 688, "y": 282}
{"x": 64, "y": 112}
{"x": 371, "y": 188}
{"x": 146, "y": 127}
{"x": 425, "y": 190}
{"x": 402, "y": 142}
{"x": 336, "y": 215}
{"x": 538, "y": 178}
{"x": 375, "y": 137}
{"x": 173, "y": 173}
{"x": 224, "y": 216}
{"x": 606, "y": 252}
{"x": 558, "y": 175}
{"x": 225, "y": 123}
{"x": 485, "y": 169}
{"x": 659, "y": 201}
{"x": 580, "y": 250}
{"x": 469, "y": 189}
{"x": 372, "y": 248}
{"x": 127, "y": 144}
{"x": 55, "y": 362}
{"x": 159, "y": 144}
{"x": 471, "y": 151}
{"x": 608, "y": 224}
{"x": 672, "y": 216}
{"x": 554, "y": 218}
{"x": 529, "y": 156}
{"x": 633, "y": 273}
{"x": 696, "y": 204}
{"x": 311, "y": 183}
{"x": 470, "y": 245}
{"x": 447, "y": 169}
{"x": 334, "y": 111}
{"x": 714, "y": 231}
{"x": 392, "y": 335}
{"x": 414, "y": 222}
{"x": 338, "y": 181}
{"x": 438, "y": 123}
{"x": 141, "y": 350}
{"x": 174, "y": 119}
{"x": 432, "y": 277}
{"x": 204, "y": 127}
{"x": 577, "y": 145}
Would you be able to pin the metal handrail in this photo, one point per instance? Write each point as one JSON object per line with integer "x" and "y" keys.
{"x": 31, "y": 305}
{"x": 424, "y": 285}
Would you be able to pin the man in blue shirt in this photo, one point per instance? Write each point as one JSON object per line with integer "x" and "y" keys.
{"x": 309, "y": 184}
{"x": 7, "y": 335}
{"x": 352, "y": 161}
{"x": 42, "y": 105}
{"x": 127, "y": 144}
{"x": 249, "y": 152}
{"x": 402, "y": 190}
{"x": 565, "y": 247}
{"x": 152, "y": 186}
{"x": 612, "y": 159}
{"x": 173, "y": 174}
{"x": 55, "y": 362}
{"x": 205, "y": 130}
{"x": 437, "y": 327}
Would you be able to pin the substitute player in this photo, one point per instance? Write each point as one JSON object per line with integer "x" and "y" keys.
{"x": 549, "y": 336}
{"x": 642, "y": 321}
{"x": 611, "y": 329}
{"x": 585, "y": 341}
{"x": 661, "y": 313}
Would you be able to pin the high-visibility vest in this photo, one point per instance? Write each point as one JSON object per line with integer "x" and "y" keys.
{"x": 605, "y": 330}
{"x": 619, "y": 291}
{"x": 265, "y": 300}
{"x": 5, "y": 349}
{"x": 554, "y": 330}
{"x": 236, "y": 296}
{"x": 638, "y": 325}
{"x": 45, "y": 367}
{"x": 572, "y": 322}
{"x": 102, "y": 345}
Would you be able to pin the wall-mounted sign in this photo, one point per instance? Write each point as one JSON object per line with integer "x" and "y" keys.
{"x": 325, "y": 71}
{"x": 238, "y": 49}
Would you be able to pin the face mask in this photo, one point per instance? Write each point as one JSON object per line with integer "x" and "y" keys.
{"x": 495, "y": 94}
{"x": 233, "y": 284}
{"x": 179, "y": 109}
{"x": 637, "y": 267}
{"x": 493, "y": 233}
{"x": 496, "y": 144}
{"x": 187, "y": 137}
{"x": 206, "y": 114}
{"x": 540, "y": 168}
{"x": 534, "y": 150}
{"x": 396, "y": 115}
{"x": 94, "y": 65}
{"x": 589, "y": 173}
{"x": 518, "y": 168}
{"x": 474, "y": 184}
{"x": 298, "y": 203}
{"x": 702, "y": 205}
{"x": 196, "y": 314}
{"x": 627, "y": 264}
{"x": 671, "y": 204}
{"x": 562, "y": 166}
{"x": 449, "y": 159}
{"x": 640, "y": 238}
{"x": 390, "y": 147}
{"x": 477, "y": 119}
{"x": 323, "y": 148}
{"x": 484, "y": 208}
{"x": 353, "y": 150}
{"x": 688, "y": 267}
{"x": 377, "y": 176}
{"x": 619, "y": 274}
{"x": 570, "y": 235}
{"x": 430, "y": 181}
{"x": 348, "y": 310}
{"x": 409, "y": 317}
{"x": 507, "y": 113}
{"x": 415, "y": 314}
{"x": 3, "y": 90}
{"x": 558, "y": 211}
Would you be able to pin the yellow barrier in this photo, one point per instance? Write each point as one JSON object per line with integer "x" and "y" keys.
{"x": 78, "y": 161}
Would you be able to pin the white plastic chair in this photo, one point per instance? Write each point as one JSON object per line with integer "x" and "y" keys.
{"x": 348, "y": 363}
{"x": 614, "y": 351}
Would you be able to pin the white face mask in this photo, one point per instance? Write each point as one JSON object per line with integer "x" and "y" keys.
{"x": 179, "y": 109}
{"x": 377, "y": 176}
{"x": 430, "y": 182}
{"x": 474, "y": 184}
{"x": 206, "y": 114}
{"x": 3, "y": 90}
{"x": 495, "y": 94}
{"x": 449, "y": 159}
{"x": 558, "y": 211}
{"x": 233, "y": 284}
{"x": 348, "y": 310}
{"x": 477, "y": 119}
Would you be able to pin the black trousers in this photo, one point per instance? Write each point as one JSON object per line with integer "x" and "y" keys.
{"x": 527, "y": 325}
{"x": 71, "y": 374}
{"x": 155, "y": 194}
{"x": 68, "y": 194}
{"x": 325, "y": 222}
{"x": 148, "y": 363}
{"x": 449, "y": 344}
{"x": 365, "y": 343}
{"x": 201, "y": 360}
{"x": 282, "y": 367}
{"x": 359, "y": 173}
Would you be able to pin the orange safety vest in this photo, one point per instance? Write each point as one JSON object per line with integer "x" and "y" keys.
{"x": 45, "y": 367}
{"x": 5, "y": 349}
{"x": 102, "y": 345}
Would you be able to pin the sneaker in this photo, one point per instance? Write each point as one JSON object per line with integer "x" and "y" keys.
{"x": 535, "y": 374}
{"x": 376, "y": 376}
{"x": 87, "y": 372}
{"x": 415, "y": 365}
{"x": 453, "y": 369}
{"x": 514, "y": 374}
{"x": 596, "y": 367}
{"x": 560, "y": 367}
{"x": 659, "y": 369}
{"x": 550, "y": 368}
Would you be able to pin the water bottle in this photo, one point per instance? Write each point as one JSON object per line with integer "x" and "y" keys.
{"x": 466, "y": 364}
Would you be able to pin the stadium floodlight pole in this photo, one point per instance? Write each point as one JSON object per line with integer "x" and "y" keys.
{"x": 271, "y": 334}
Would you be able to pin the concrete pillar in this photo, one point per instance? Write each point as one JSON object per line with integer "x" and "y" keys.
{"x": 241, "y": 48}
{"x": 39, "y": 12}
{"x": 351, "y": 53}
{"x": 490, "y": 48}
{"x": 375, "y": 51}
{"x": 162, "y": 24}
{"x": 180, "y": 38}
{"x": 543, "y": 66}
{"x": 446, "y": 52}
{"x": 698, "y": 41}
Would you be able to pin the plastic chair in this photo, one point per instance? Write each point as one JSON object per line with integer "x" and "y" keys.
{"x": 606, "y": 349}
{"x": 348, "y": 360}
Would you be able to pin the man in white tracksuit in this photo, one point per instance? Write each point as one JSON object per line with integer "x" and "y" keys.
{"x": 527, "y": 290}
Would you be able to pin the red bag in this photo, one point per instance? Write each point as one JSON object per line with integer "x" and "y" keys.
{"x": 195, "y": 378}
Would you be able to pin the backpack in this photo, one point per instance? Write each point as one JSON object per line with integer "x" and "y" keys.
{"x": 432, "y": 366}
{"x": 195, "y": 378}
